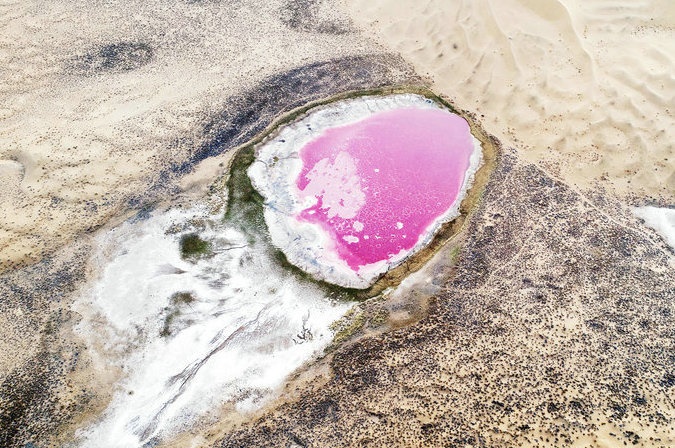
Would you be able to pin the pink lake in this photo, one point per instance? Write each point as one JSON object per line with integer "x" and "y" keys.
{"x": 353, "y": 188}
{"x": 380, "y": 183}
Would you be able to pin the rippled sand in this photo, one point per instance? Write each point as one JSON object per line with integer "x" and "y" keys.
{"x": 585, "y": 89}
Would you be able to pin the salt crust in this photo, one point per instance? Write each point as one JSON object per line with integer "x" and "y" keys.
{"x": 246, "y": 326}
{"x": 660, "y": 219}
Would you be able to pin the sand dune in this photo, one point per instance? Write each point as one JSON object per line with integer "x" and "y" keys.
{"x": 586, "y": 89}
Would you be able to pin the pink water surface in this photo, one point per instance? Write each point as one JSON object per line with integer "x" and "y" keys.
{"x": 381, "y": 182}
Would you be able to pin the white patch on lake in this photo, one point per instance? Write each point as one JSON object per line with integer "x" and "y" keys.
{"x": 660, "y": 219}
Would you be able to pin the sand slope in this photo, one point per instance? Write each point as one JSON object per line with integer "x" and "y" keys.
{"x": 584, "y": 88}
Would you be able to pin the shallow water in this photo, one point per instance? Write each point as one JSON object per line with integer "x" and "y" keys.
{"x": 378, "y": 184}
{"x": 190, "y": 336}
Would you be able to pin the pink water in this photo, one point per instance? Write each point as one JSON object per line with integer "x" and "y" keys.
{"x": 381, "y": 182}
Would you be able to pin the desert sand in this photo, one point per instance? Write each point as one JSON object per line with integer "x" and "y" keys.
{"x": 98, "y": 98}
{"x": 585, "y": 89}
{"x": 547, "y": 321}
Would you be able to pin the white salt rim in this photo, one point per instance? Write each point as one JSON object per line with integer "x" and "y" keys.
{"x": 660, "y": 219}
{"x": 277, "y": 166}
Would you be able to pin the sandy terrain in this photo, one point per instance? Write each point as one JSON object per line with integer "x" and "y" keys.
{"x": 97, "y": 98}
{"x": 586, "y": 89}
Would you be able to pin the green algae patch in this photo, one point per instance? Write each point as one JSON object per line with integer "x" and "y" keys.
{"x": 193, "y": 247}
{"x": 174, "y": 311}
{"x": 182, "y": 298}
{"x": 365, "y": 318}
{"x": 350, "y": 324}
{"x": 165, "y": 332}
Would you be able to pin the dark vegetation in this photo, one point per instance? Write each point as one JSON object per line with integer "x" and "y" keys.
{"x": 304, "y": 15}
{"x": 182, "y": 298}
{"x": 114, "y": 57}
{"x": 173, "y": 312}
{"x": 193, "y": 247}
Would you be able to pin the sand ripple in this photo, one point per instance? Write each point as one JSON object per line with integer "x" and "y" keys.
{"x": 584, "y": 88}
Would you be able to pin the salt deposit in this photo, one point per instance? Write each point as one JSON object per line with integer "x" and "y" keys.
{"x": 192, "y": 335}
{"x": 660, "y": 219}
